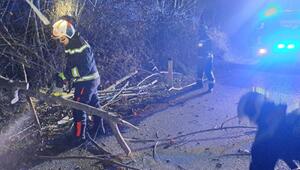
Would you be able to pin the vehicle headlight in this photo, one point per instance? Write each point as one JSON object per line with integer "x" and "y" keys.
{"x": 291, "y": 46}
{"x": 262, "y": 51}
{"x": 280, "y": 46}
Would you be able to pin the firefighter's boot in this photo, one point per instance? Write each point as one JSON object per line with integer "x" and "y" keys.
{"x": 211, "y": 87}
{"x": 79, "y": 132}
{"x": 199, "y": 84}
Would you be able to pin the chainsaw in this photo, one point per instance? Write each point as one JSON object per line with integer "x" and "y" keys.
{"x": 64, "y": 91}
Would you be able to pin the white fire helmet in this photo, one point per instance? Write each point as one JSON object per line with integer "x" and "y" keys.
{"x": 63, "y": 28}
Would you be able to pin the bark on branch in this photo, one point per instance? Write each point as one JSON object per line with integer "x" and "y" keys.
{"x": 110, "y": 117}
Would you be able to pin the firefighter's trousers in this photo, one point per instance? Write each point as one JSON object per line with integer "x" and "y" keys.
{"x": 85, "y": 92}
{"x": 205, "y": 69}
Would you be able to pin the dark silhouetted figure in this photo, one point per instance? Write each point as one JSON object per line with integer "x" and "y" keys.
{"x": 278, "y": 135}
{"x": 205, "y": 60}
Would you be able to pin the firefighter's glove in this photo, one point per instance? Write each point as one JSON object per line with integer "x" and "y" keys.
{"x": 60, "y": 80}
{"x": 67, "y": 86}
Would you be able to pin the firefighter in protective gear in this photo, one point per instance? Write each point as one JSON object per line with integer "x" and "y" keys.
{"x": 205, "y": 60}
{"x": 80, "y": 69}
{"x": 278, "y": 132}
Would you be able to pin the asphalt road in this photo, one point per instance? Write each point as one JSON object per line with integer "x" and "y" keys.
{"x": 198, "y": 111}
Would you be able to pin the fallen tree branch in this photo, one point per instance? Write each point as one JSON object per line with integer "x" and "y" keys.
{"x": 29, "y": 100}
{"x": 96, "y": 145}
{"x": 113, "y": 86}
{"x": 112, "y": 89}
{"x": 236, "y": 154}
{"x": 22, "y": 131}
{"x": 115, "y": 96}
{"x": 10, "y": 84}
{"x": 146, "y": 78}
{"x": 120, "y": 138}
{"x": 77, "y": 105}
{"x": 129, "y": 90}
{"x": 155, "y": 74}
{"x": 109, "y": 116}
{"x": 189, "y": 134}
{"x": 227, "y": 120}
{"x": 155, "y": 156}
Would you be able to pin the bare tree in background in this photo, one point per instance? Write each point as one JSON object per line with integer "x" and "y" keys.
{"x": 125, "y": 35}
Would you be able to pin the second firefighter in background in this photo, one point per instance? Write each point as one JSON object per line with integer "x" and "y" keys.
{"x": 80, "y": 69}
{"x": 205, "y": 59}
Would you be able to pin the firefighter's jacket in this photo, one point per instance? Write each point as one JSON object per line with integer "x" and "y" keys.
{"x": 204, "y": 46}
{"x": 205, "y": 55}
{"x": 277, "y": 137}
{"x": 81, "y": 65}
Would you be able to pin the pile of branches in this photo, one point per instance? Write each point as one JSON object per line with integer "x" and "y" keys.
{"x": 128, "y": 90}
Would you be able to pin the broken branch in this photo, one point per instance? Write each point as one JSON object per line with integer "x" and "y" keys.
{"x": 189, "y": 134}
{"x": 110, "y": 117}
{"x": 114, "y": 120}
{"x": 7, "y": 83}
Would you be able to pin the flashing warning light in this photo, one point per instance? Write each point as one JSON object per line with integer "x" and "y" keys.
{"x": 280, "y": 46}
{"x": 262, "y": 51}
{"x": 200, "y": 44}
{"x": 270, "y": 12}
{"x": 291, "y": 46}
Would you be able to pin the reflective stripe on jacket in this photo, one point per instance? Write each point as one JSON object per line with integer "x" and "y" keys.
{"x": 81, "y": 65}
